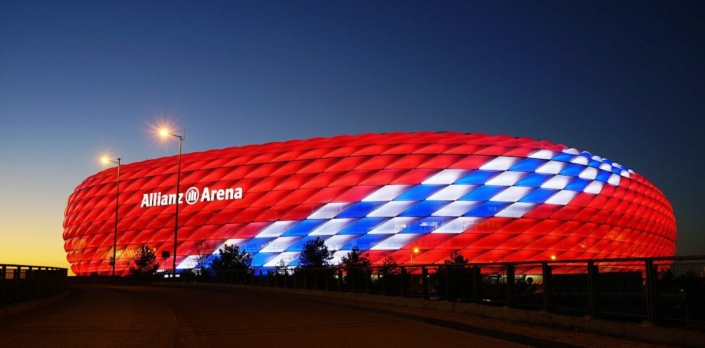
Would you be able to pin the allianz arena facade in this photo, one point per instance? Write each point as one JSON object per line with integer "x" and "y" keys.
{"x": 492, "y": 198}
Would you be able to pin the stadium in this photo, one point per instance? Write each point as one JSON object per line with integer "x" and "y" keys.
{"x": 491, "y": 198}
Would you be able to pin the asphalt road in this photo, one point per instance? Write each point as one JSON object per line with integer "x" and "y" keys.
{"x": 191, "y": 317}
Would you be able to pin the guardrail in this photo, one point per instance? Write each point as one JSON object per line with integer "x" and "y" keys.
{"x": 668, "y": 291}
{"x": 23, "y": 283}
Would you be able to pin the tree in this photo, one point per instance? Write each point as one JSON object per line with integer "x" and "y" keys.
{"x": 144, "y": 263}
{"x": 315, "y": 254}
{"x": 200, "y": 263}
{"x": 454, "y": 278}
{"x": 281, "y": 268}
{"x": 357, "y": 267}
{"x": 456, "y": 258}
{"x": 204, "y": 251}
{"x": 355, "y": 259}
{"x": 389, "y": 266}
{"x": 389, "y": 275}
{"x": 230, "y": 257}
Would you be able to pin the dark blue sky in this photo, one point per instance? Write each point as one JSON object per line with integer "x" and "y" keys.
{"x": 623, "y": 80}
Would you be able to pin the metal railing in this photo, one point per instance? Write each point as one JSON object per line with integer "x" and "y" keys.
{"x": 23, "y": 283}
{"x": 668, "y": 291}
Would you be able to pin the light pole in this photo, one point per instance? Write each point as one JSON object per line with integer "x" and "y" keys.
{"x": 107, "y": 160}
{"x": 415, "y": 251}
{"x": 165, "y": 133}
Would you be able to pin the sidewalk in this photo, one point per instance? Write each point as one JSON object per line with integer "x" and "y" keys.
{"x": 460, "y": 316}
{"x": 124, "y": 316}
{"x": 100, "y": 317}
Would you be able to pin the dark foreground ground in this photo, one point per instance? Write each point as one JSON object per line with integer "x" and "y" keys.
{"x": 228, "y": 317}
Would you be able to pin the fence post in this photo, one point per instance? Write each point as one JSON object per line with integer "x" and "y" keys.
{"x": 403, "y": 276}
{"x": 368, "y": 279}
{"x": 351, "y": 273}
{"x": 43, "y": 281}
{"x": 340, "y": 279}
{"x": 384, "y": 281}
{"x": 315, "y": 279}
{"x": 31, "y": 283}
{"x": 3, "y": 275}
{"x": 424, "y": 281}
{"x": 547, "y": 287}
{"x": 594, "y": 289}
{"x": 477, "y": 283}
{"x": 62, "y": 278}
{"x": 16, "y": 279}
{"x": 511, "y": 282}
{"x": 651, "y": 295}
{"x": 449, "y": 272}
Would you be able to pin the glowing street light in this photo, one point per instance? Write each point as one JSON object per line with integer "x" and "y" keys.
{"x": 415, "y": 251}
{"x": 107, "y": 160}
{"x": 165, "y": 133}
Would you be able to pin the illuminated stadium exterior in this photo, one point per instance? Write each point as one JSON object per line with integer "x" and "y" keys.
{"x": 492, "y": 198}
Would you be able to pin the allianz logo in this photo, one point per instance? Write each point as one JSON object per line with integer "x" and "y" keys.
{"x": 192, "y": 196}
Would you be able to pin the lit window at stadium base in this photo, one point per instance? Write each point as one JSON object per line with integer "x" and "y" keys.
{"x": 492, "y": 198}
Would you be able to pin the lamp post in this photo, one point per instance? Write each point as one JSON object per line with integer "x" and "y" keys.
{"x": 165, "y": 133}
{"x": 107, "y": 160}
{"x": 415, "y": 251}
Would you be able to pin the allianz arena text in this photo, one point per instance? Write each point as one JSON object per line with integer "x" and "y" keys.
{"x": 491, "y": 198}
